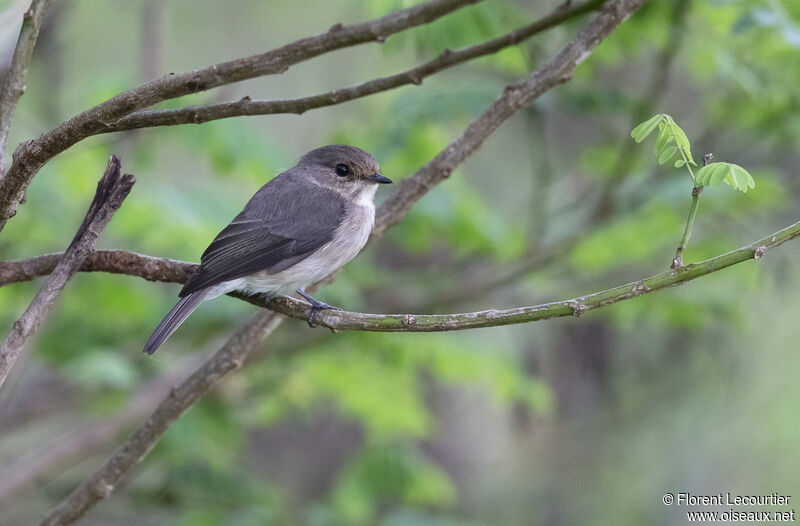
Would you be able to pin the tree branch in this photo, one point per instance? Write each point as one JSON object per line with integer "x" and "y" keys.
{"x": 14, "y": 85}
{"x": 343, "y": 320}
{"x": 156, "y": 269}
{"x": 447, "y": 59}
{"x": 29, "y": 157}
{"x": 112, "y": 189}
{"x": 113, "y": 261}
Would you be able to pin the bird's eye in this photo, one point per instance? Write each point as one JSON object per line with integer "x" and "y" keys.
{"x": 342, "y": 170}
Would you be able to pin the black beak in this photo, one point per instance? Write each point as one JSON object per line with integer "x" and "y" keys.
{"x": 378, "y": 178}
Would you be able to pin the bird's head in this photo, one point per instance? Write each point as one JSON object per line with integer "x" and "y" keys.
{"x": 344, "y": 168}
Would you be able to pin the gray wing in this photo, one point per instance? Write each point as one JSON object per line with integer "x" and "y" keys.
{"x": 284, "y": 223}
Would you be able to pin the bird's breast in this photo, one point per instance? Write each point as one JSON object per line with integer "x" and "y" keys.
{"x": 352, "y": 234}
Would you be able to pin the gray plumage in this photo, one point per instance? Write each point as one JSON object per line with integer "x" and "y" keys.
{"x": 283, "y": 223}
{"x": 298, "y": 228}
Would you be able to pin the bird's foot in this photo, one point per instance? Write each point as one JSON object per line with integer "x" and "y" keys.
{"x": 316, "y": 306}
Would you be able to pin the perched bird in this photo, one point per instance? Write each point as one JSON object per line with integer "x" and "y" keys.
{"x": 298, "y": 228}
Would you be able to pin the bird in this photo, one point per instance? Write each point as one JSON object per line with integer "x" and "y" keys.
{"x": 298, "y": 228}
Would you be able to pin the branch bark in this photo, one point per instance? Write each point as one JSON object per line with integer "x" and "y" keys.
{"x": 14, "y": 85}
{"x": 113, "y": 261}
{"x": 112, "y": 189}
{"x": 447, "y": 59}
{"x": 29, "y": 157}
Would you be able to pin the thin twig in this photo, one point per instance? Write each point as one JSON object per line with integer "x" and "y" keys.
{"x": 447, "y": 59}
{"x": 14, "y": 85}
{"x": 677, "y": 261}
{"x": 112, "y": 189}
{"x": 30, "y": 156}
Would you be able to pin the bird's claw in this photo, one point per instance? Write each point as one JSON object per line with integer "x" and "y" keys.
{"x": 316, "y": 306}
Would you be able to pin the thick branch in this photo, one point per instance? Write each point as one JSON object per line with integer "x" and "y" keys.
{"x": 102, "y": 483}
{"x": 14, "y": 85}
{"x": 515, "y": 96}
{"x": 113, "y": 261}
{"x": 29, "y": 157}
{"x": 112, "y": 189}
{"x": 448, "y": 59}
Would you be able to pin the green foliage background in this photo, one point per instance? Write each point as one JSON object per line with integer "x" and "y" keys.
{"x": 572, "y": 421}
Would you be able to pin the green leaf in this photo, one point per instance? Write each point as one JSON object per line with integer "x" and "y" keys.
{"x": 740, "y": 178}
{"x": 664, "y": 138}
{"x": 703, "y": 175}
{"x": 680, "y": 139}
{"x": 718, "y": 174}
{"x": 666, "y": 155}
{"x": 732, "y": 174}
{"x": 668, "y": 132}
{"x": 644, "y": 129}
{"x": 679, "y": 163}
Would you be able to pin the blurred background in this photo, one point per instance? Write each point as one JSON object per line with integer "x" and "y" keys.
{"x": 570, "y": 421}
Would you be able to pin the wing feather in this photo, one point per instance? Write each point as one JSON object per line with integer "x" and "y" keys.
{"x": 286, "y": 221}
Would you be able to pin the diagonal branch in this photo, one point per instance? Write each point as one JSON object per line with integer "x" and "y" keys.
{"x": 14, "y": 85}
{"x": 100, "y": 485}
{"x": 447, "y": 59}
{"x": 29, "y": 157}
{"x": 112, "y": 189}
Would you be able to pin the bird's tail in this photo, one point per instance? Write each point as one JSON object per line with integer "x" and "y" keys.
{"x": 177, "y": 315}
